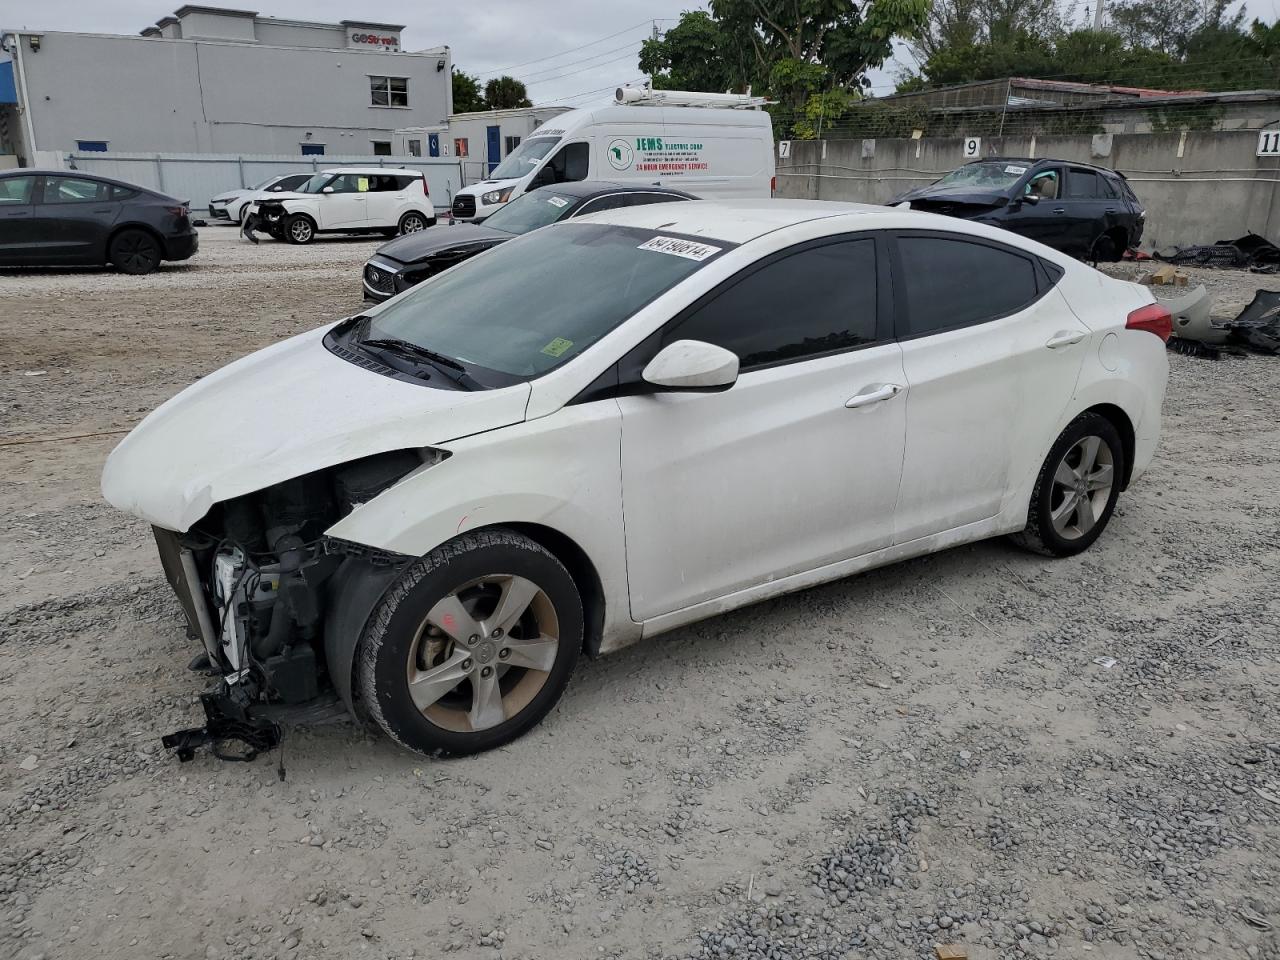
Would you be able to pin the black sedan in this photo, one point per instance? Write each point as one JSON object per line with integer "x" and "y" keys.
{"x": 412, "y": 258}
{"x": 1085, "y": 211}
{"x": 57, "y": 218}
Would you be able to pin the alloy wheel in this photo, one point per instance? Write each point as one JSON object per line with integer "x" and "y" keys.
{"x": 300, "y": 230}
{"x": 1081, "y": 487}
{"x": 483, "y": 653}
{"x": 412, "y": 224}
{"x": 136, "y": 254}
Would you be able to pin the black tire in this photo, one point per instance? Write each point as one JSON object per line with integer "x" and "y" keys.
{"x": 134, "y": 252}
{"x": 276, "y": 233}
{"x": 414, "y": 222}
{"x": 299, "y": 228}
{"x": 391, "y": 639}
{"x": 1041, "y": 535}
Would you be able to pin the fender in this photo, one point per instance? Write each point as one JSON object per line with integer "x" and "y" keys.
{"x": 354, "y": 592}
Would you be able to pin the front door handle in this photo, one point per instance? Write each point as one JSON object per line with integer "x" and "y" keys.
{"x": 1064, "y": 338}
{"x": 1059, "y": 209}
{"x": 875, "y": 394}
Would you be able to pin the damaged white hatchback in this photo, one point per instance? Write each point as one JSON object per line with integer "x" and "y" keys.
{"x": 621, "y": 424}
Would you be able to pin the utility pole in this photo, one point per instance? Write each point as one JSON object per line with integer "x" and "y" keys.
{"x": 1097, "y": 15}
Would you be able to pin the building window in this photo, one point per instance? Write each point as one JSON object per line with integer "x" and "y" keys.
{"x": 91, "y": 146}
{"x": 415, "y": 148}
{"x": 512, "y": 143}
{"x": 381, "y": 148}
{"x": 460, "y": 147}
{"x": 389, "y": 91}
{"x": 313, "y": 149}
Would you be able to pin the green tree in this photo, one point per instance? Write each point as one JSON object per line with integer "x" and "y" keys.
{"x": 789, "y": 50}
{"x": 466, "y": 92}
{"x": 505, "y": 93}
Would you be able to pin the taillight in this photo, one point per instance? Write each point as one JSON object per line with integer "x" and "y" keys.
{"x": 1154, "y": 318}
{"x": 773, "y": 186}
{"x": 178, "y": 211}
{"x": 425, "y": 191}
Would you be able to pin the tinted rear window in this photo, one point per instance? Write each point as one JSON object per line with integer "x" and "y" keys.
{"x": 955, "y": 283}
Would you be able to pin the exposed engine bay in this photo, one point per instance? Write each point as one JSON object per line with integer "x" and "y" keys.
{"x": 277, "y": 605}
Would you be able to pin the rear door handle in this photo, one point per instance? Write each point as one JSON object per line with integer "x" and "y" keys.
{"x": 874, "y": 394}
{"x": 1064, "y": 338}
{"x": 1059, "y": 209}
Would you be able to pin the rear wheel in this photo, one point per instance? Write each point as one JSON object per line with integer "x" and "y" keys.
{"x": 1076, "y": 490}
{"x": 299, "y": 229}
{"x": 134, "y": 251}
{"x": 472, "y": 646}
{"x": 413, "y": 222}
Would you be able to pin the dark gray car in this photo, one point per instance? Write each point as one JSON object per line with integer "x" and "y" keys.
{"x": 410, "y": 259}
{"x": 1085, "y": 211}
{"x": 63, "y": 218}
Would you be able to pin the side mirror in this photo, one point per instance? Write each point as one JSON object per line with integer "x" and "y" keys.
{"x": 692, "y": 365}
{"x": 1031, "y": 198}
{"x": 327, "y": 190}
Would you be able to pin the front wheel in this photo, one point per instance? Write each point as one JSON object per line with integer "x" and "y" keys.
{"x": 472, "y": 646}
{"x": 1076, "y": 490}
{"x": 299, "y": 229}
{"x": 413, "y": 222}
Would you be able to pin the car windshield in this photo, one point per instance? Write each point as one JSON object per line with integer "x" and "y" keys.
{"x": 264, "y": 184}
{"x": 997, "y": 176}
{"x": 531, "y": 211}
{"x": 534, "y": 303}
{"x": 523, "y": 158}
{"x": 316, "y": 183}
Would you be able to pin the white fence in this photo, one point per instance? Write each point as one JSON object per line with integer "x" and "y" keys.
{"x": 199, "y": 177}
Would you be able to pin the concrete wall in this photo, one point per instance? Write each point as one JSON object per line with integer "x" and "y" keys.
{"x": 1196, "y": 187}
{"x": 153, "y": 94}
{"x": 199, "y": 177}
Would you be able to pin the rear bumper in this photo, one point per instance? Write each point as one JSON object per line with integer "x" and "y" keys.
{"x": 182, "y": 247}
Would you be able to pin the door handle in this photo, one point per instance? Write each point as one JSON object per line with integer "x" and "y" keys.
{"x": 1059, "y": 209}
{"x": 884, "y": 391}
{"x": 1064, "y": 338}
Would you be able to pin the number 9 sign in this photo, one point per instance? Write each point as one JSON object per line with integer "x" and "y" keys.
{"x": 972, "y": 148}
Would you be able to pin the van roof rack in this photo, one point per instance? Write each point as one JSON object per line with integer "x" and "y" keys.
{"x": 646, "y": 96}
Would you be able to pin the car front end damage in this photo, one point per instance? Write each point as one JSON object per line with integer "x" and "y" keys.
{"x": 276, "y": 606}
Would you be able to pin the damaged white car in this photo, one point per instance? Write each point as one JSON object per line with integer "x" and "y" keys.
{"x": 625, "y": 423}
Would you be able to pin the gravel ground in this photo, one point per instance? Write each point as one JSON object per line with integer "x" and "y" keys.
{"x": 1028, "y": 757}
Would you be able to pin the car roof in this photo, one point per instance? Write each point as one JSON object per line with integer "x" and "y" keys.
{"x": 83, "y": 175}
{"x": 1042, "y": 161}
{"x": 734, "y": 221}
{"x": 591, "y": 188}
{"x": 374, "y": 171}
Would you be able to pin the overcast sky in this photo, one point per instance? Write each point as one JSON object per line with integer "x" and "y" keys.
{"x": 566, "y": 51}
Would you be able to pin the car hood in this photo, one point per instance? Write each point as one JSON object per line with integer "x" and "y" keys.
{"x": 484, "y": 186}
{"x": 988, "y": 198}
{"x": 425, "y": 244}
{"x": 277, "y": 414}
{"x": 284, "y": 195}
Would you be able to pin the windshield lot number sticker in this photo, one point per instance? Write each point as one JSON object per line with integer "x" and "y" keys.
{"x": 557, "y": 347}
{"x": 680, "y": 248}
{"x": 1014, "y": 168}
{"x": 557, "y": 201}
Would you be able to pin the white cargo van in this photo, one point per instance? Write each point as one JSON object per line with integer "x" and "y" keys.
{"x": 715, "y": 146}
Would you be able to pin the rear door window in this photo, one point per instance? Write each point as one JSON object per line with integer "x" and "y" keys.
{"x": 950, "y": 283}
{"x": 1083, "y": 185}
{"x": 75, "y": 190}
{"x": 815, "y": 301}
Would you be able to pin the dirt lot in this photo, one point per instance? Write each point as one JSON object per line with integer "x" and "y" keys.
{"x": 931, "y": 753}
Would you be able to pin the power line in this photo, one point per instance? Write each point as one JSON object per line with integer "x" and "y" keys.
{"x": 643, "y": 23}
{"x": 584, "y": 93}
{"x": 534, "y": 78}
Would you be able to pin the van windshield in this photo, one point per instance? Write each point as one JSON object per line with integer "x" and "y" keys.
{"x": 536, "y": 302}
{"x": 524, "y": 158}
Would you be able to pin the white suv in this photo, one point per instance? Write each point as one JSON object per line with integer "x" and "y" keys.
{"x": 384, "y": 200}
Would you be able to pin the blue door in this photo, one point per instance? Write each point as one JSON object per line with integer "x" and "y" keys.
{"x": 494, "y": 152}
{"x": 433, "y": 144}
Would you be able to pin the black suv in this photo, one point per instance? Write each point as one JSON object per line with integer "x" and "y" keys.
{"x": 1085, "y": 211}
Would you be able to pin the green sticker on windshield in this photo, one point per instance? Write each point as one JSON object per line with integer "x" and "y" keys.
{"x": 557, "y": 347}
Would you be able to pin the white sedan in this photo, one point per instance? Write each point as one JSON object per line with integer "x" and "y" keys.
{"x": 232, "y": 206}
{"x": 622, "y": 424}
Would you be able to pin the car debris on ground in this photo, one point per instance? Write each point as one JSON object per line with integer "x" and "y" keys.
{"x": 1250, "y": 252}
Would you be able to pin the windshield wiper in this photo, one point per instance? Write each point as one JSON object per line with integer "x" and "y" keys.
{"x": 412, "y": 350}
